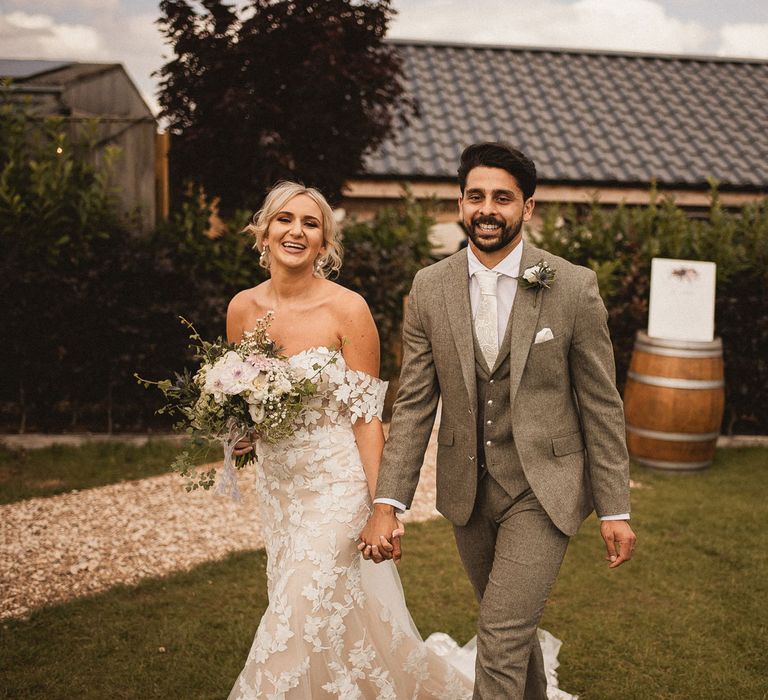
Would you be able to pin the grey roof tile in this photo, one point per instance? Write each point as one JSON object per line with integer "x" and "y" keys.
{"x": 595, "y": 116}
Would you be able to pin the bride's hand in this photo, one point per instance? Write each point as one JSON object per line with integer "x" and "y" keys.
{"x": 390, "y": 548}
{"x": 396, "y": 535}
{"x": 243, "y": 446}
{"x": 374, "y": 540}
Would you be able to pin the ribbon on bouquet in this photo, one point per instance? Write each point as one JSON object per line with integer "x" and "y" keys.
{"x": 226, "y": 484}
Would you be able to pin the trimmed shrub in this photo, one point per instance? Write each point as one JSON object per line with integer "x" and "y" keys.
{"x": 381, "y": 257}
{"x": 618, "y": 244}
{"x": 87, "y": 302}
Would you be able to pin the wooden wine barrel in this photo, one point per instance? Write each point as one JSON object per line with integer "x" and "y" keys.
{"x": 673, "y": 402}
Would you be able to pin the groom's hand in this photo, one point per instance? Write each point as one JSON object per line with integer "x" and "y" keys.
{"x": 380, "y": 538}
{"x": 619, "y": 541}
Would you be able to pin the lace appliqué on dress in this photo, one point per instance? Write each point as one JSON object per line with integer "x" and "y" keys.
{"x": 340, "y": 391}
{"x": 336, "y": 626}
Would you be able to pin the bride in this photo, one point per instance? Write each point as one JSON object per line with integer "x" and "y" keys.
{"x": 336, "y": 625}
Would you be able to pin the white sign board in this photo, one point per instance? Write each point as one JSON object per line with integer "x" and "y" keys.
{"x": 682, "y": 303}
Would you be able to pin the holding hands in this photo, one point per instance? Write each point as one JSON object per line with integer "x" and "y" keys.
{"x": 380, "y": 538}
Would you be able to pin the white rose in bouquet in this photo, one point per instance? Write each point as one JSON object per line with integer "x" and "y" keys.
{"x": 258, "y": 413}
{"x": 259, "y": 389}
{"x": 228, "y": 376}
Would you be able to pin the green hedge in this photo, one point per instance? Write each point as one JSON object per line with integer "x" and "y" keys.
{"x": 381, "y": 258}
{"x": 618, "y": 244}
{"x": 87, "y": 301}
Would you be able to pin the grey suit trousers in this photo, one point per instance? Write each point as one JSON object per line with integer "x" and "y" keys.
{"x": 512, "y": 553}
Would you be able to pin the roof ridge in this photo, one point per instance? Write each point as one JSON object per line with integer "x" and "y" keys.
{"x": 695, "y": 58}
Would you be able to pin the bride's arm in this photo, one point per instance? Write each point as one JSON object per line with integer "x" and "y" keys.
{"x": 361, "y": 352}
{"x": 234, "y": 335}
{"x": 370, "y": 443}
{"x": 235, "y": 312}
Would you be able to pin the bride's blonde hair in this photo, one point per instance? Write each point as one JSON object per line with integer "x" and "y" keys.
{"x": 327, "y": 264}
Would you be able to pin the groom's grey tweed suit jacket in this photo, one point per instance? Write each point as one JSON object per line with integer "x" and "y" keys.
{"x": 567, "y": 418}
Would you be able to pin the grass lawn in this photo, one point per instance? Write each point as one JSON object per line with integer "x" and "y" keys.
{"x": 686, "y": 619}
{"x": 61, "y": 468}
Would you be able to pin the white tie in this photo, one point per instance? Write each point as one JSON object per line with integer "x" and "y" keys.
{"x": 486, "y": 320}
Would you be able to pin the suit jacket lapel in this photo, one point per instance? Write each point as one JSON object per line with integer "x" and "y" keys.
{"x": 456, "y": 290}
{"x": 525, "y": 315}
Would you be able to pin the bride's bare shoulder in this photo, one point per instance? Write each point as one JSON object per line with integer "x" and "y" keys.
{"x": 243, "y": 308}
{"x": 345, "y": 301}
{"x": 353, "y": 316}
{"x": 356, "y": 330}
{"x": 246, "y": 300}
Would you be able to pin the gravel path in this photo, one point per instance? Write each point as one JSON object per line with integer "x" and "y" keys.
{"x": 57, "y": 548}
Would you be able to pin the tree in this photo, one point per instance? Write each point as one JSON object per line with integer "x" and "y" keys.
{"x": 296, "y": 89}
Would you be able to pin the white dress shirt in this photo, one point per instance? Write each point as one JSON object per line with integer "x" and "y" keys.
{"x": 506, "y": 289}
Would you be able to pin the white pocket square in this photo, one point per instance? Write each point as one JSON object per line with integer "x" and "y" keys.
{"x": 543, "y": 336}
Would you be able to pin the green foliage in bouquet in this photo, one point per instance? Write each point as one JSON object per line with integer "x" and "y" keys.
{"x": 245, "y": 389}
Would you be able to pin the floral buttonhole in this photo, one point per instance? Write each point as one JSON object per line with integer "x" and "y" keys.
{"x": 537, "y": 277}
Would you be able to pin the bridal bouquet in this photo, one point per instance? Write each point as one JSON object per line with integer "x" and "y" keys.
{"x": 242, "y": 389}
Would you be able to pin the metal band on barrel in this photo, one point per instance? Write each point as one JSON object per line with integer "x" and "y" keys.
{"x": 672, "y": 437}
{"x": 679, "y": 352}
{"x": 676, "y": 383}
{"x": 646, "y": 339}
{"x": 661, "y": 464}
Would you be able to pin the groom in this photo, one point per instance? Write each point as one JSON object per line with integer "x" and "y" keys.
{"x": 531, "y": 439}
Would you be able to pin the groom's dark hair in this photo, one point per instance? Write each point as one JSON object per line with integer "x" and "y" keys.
{"x": 495, "y": 154}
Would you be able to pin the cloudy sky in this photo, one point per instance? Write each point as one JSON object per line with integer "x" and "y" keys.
{"x": 125, "y": 31}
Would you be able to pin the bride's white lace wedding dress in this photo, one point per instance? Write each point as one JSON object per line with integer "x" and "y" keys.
{"x": 336, "y": 626}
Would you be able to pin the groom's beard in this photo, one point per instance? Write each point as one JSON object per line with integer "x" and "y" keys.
{"x": 507, "y": 233}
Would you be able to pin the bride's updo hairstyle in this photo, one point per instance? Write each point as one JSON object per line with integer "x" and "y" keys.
{"x": 327, "y": 264}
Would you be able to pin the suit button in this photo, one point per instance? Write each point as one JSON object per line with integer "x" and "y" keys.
{"x": 489, "y": 422}
{"x": 490, "y": 402}
{"x": 488, "y": 442}
{"x": 490, "y": 381}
